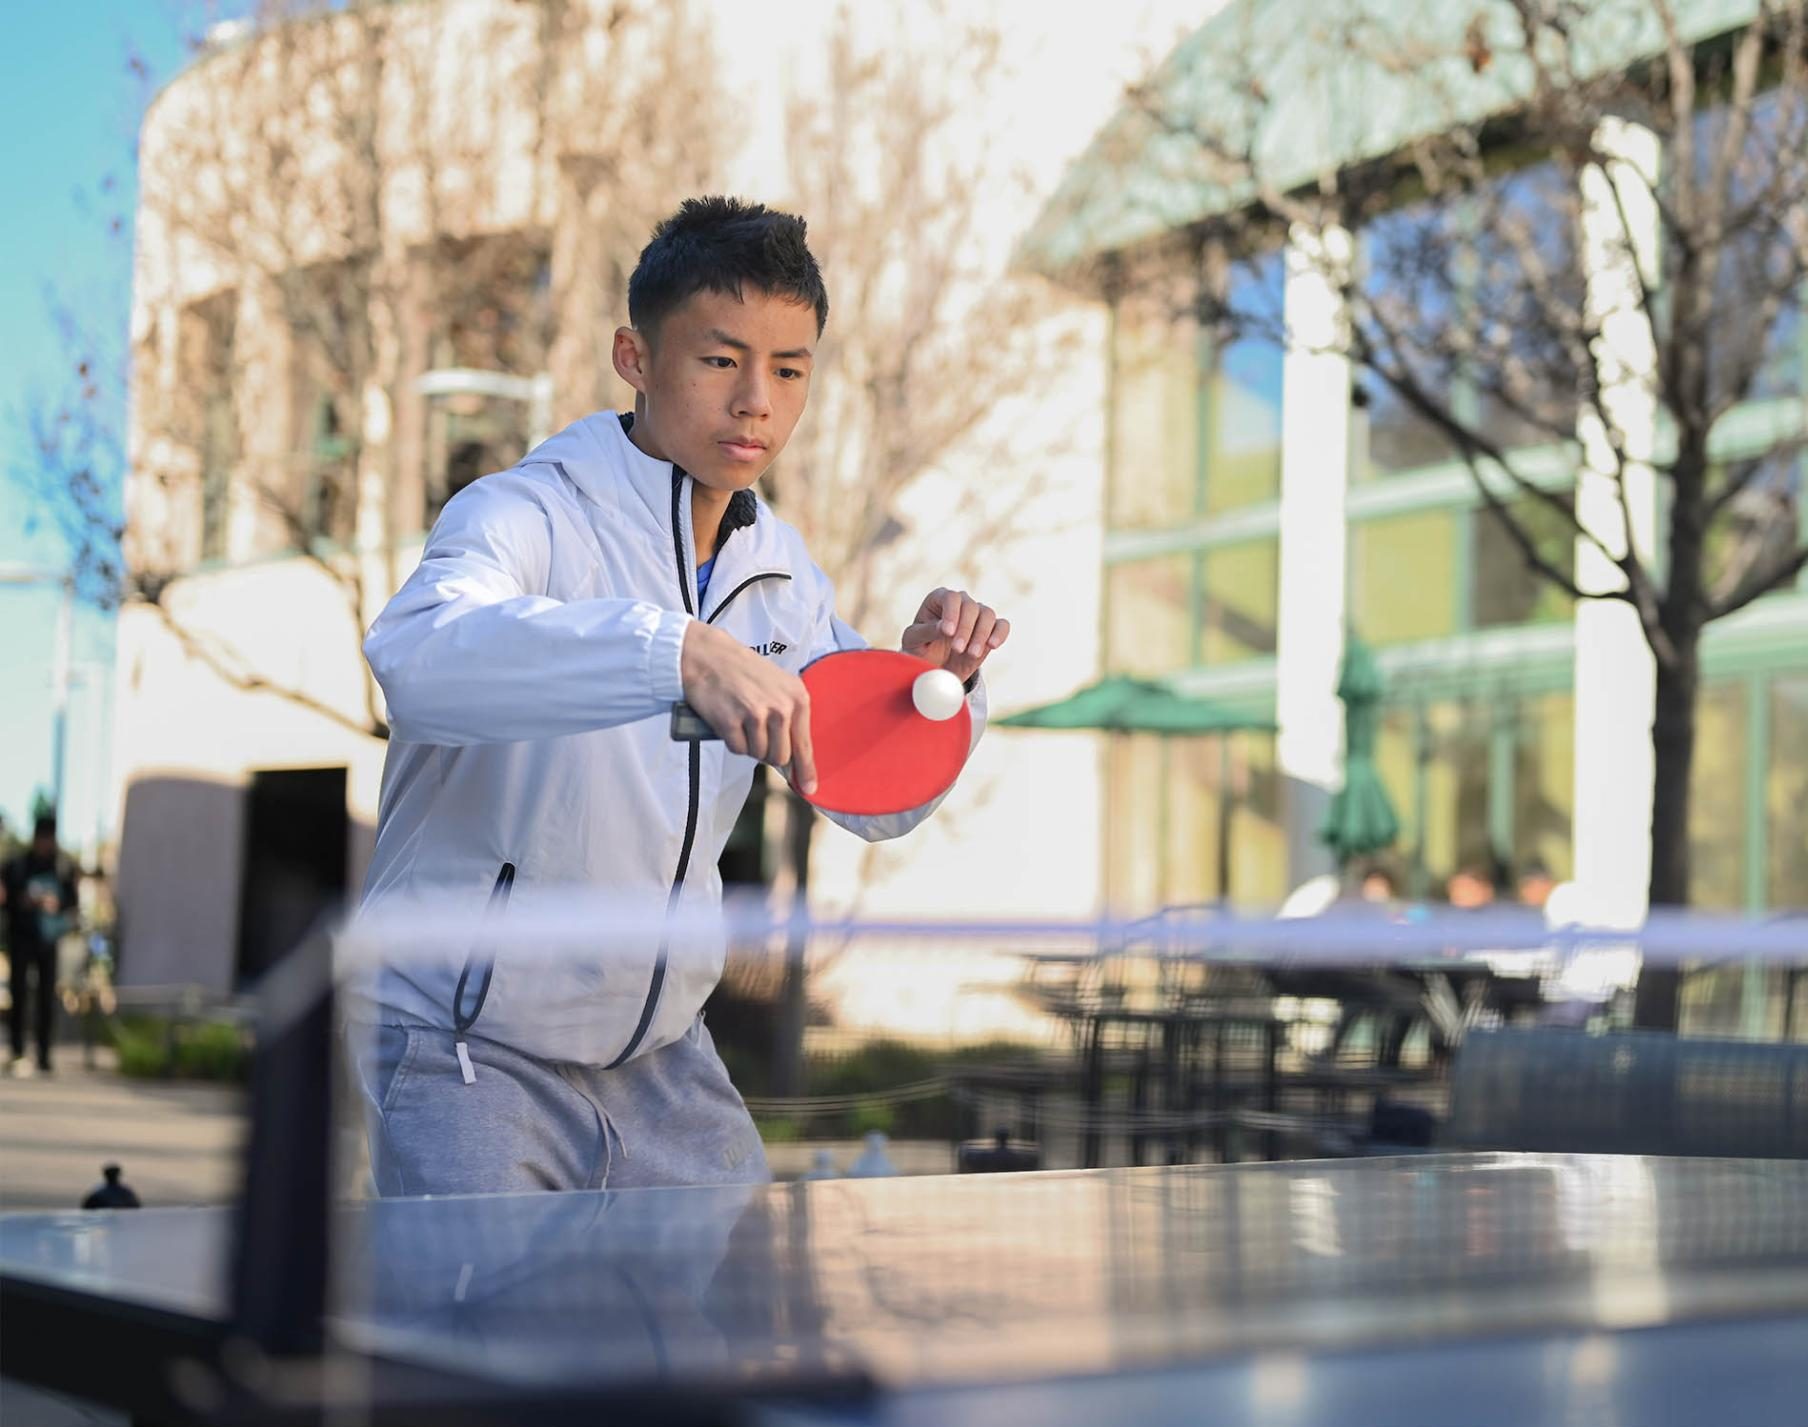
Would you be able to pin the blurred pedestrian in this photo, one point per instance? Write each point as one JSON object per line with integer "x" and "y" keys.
{"x": 40, "y": 893}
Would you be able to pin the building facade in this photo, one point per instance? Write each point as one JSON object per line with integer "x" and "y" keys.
{"x": 1264, "y": 496}
{"x": 375, "y": 263}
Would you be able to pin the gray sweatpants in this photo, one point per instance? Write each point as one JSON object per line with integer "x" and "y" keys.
{"x": 667, "y": 1117}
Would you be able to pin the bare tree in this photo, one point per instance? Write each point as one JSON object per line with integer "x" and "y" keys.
{"x": 1534, "y": 275}
{"x": 928, "y": 341}
{"x": 319, "y": 169}
{"x": 340, "y": 198}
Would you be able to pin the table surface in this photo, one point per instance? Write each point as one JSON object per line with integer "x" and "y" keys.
{"x": 1274, "y": 1292}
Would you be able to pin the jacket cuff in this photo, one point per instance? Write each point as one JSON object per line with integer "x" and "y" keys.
{"x": 665, "y": 656}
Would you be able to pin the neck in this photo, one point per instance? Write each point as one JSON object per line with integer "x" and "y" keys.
{"x": 707, "y": 506}
{"x": 707, "y": 509}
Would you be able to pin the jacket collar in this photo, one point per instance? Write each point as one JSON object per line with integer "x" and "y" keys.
{"x": 597, "y": 453}
{"x": 743, "y": 506}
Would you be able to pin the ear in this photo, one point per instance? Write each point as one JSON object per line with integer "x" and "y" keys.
{"x": 633, "y": 357}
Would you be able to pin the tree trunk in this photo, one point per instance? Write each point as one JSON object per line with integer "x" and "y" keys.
{"x": 1673, "y": 748}
{"x": 793, "y": 1001}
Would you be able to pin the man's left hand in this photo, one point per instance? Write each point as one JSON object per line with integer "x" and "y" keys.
{"x": 955, "y": 632}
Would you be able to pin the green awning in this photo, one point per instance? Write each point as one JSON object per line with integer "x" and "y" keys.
{"x": 1122, "y": 704}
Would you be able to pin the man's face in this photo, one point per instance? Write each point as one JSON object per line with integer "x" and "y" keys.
{"x": 43, "y": 843}
{"x": 722, "y": 383}
{"x": 1467, "y": 891}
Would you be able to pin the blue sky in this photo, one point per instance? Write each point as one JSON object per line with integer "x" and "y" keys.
{"x": 69, "y": 107}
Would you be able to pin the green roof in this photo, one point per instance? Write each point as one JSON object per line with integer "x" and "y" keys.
{"x": 1327, "y": 103}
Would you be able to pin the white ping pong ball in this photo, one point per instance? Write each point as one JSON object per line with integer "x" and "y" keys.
{"x": 937, "y": 694}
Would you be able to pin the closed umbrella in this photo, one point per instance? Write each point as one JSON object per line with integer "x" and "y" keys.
{"x": 1361, "y": 819}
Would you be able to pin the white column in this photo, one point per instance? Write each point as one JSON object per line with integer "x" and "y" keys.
{"x": 1616, "y": 676}
{"x": 1315, "y": 476}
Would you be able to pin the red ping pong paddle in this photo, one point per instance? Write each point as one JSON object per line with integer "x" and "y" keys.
{"x": 875, "y": 753}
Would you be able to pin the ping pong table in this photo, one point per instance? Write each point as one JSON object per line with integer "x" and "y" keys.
{"x": 1439, "y": 1289}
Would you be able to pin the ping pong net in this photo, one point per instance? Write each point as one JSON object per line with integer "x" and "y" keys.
{"x": 1255, "y": 1092}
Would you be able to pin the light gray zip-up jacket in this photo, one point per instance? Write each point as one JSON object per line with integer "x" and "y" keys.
{"x": 530, "y": 665}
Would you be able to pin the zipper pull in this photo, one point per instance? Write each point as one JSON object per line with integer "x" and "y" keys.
{"x": 464, "y": 1063}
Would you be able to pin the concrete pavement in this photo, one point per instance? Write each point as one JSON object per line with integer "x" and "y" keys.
{"x": 177, "y": 1142}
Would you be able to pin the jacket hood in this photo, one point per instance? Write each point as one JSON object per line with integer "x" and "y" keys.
{"x": 596, "y": 453}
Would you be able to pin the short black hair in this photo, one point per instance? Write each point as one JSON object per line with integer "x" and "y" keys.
{"x": 44, "y": 825}
{"x": 718, "y": 244}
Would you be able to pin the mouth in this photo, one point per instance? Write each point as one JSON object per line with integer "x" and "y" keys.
{"x": 743, "y": 450}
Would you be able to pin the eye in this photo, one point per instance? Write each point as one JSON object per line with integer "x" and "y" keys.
{"x": 721, "y": 364}
{"x": 790, "y": 374}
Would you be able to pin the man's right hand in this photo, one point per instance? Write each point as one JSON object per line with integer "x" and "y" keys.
{"x": 758, "y": 709}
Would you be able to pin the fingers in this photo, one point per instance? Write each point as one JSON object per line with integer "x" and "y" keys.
{"x": 979, "y": 642}
{"x": 955, "y": 631}
{"x": 803, "y": 755}
{"x": 931, "y": 610}
{"x": 966, "y": 618}
{"x": 761, "y": 710}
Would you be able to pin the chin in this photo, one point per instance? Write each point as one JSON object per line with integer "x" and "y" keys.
{"x": 736, "y": 477}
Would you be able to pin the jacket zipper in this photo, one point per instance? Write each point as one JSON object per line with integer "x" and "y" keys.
{"x": 696, "y": 794}
{"x": 462, "y": 1021}
{"x": 657, "y": 982}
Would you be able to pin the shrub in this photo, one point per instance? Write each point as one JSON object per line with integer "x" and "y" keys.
{"x": 150, "y": 1048}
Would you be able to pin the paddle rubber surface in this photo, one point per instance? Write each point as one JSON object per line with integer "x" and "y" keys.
{"x": 874, "y": 752}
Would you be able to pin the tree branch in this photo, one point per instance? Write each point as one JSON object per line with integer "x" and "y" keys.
{"x": 221, "y": 662}
{"x": 1760, "y": 582}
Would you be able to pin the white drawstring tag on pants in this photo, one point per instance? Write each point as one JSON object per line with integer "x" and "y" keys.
{"x": 464, "y": 1063}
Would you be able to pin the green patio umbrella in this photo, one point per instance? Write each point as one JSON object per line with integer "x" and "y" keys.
{"x": 1120, "y": 704}
{"x": 1361, "y": 818}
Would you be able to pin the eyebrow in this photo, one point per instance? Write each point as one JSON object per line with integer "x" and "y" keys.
{"x": 721, "y": 338}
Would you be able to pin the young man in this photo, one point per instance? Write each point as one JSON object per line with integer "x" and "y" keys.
{"x": 530, "y": 664}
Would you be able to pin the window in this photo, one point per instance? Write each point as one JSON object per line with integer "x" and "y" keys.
{"x": 1456, "y": 266}
{"x": 1196, "y": 418}
{"x": 1504, "y": 588}
{"x": 1169, "y": 815}
{"x": 1755, "y": 332}
{"x": 1243, "y": 394}
{"x": 1133, "y": 867}
{"x": 1403, "y": 571}
{"x": 1155, "y": 415}
{"x": 327, "y": 508}
{"x": 1149, "y": 624}
{"x": 1397, "y": 761}
{"x": 1492, "y": 778}
{"x": 1544, "y": 772}
{"x": 470, "y": 435}
{"x": 1717, "y": 844}
{"x": 1454, "y": 761}
{"x": 1760, "y": 526}
{"x": 1258, "y": 838}
{"x": 1239, "y": 601}
{"x": 487, "y": 335}
{"x": 1786, "y": 793}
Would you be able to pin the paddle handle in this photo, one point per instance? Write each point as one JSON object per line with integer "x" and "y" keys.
{"x": 688, "y": 726}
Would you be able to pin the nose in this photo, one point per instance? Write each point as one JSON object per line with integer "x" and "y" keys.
{"x": 753, "y": 394}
